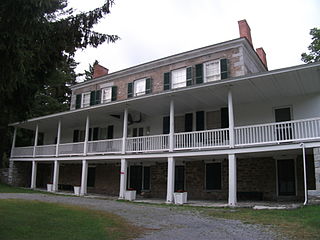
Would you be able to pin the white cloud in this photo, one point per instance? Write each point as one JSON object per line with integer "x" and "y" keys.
{"x": 151, "y": 29}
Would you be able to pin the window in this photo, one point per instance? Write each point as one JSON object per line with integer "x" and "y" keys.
{"x": 179, "y": 78}
{"x": 212, "y": 71}
{"x": 139, "y": 178}
{"x": 139, "y": 87}
{"x": 213, "y": 176}
{"x": 106, "y": 95}
{"x": 91, "y": 176}
{"x": 85, "y": 99}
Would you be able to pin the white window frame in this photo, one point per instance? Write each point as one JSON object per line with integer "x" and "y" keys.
{"x": 175, "y": 73}
{"x": 215, "y": 75}
{"x": 136, "y": 84}
{"x": 103, "y": 100}
{"x": 83, "y": 103}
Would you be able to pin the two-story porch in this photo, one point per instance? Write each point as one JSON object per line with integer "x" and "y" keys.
{"x": 247, "y": 135}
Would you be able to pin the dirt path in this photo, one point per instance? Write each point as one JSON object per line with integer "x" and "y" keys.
{"x": 168, "y": 223}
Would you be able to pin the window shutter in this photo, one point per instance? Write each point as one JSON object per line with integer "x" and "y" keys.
{"x": 224, "y": 118}
{"x": 200, "y": 121}
{"x": 75, "y": 135}
{"x": 213, "y": 176}
{"x": 95, "y": 134}
{"x": 148, "y": 85}
{"x": 98, "y": 97}
{"x": 130, "y": 90}
{"x": 189, "y": 76}
{"x": 78, "y": 101}
{"x": 224, "y": 68}
{"x": 188, "y": 122}
{"x": 110, "y": 132}
{"x": 199, "y": 73}
{"x": 166, "y": 81}
{"x": 92, "y": 98}
{"x": 114, "y": 92}
{"x": 166, "y": 125}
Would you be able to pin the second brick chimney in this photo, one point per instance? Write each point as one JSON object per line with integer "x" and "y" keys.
{"x": 99, "y": 71}
{"x": 262, "y": 55}
{"x": 245, "y": 30}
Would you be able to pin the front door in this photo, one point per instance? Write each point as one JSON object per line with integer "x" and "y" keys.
{"x": 179, "y": 178}
{"x": 286, "y": 177}
{"x": 284, "y": 131}
{"x": 136, "y": 178}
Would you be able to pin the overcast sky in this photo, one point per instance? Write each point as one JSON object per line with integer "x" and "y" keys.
{"x": 152, "y": 29}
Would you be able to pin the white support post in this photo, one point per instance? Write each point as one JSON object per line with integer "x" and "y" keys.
{"x": 55, "y": 176}
{"x": 304, "y": 174}
{"x": 170, "y": 179}
{"x": 35, "y": 140}
{"x": 123, "y": 178}
{"x": 125, "y": 130}
{"x": 231, "y": 119}
{"x": 232, "y": 180}
{"x": 171, "y": 132}
{"x": 13, "y": 141}
{"x": 84, "y": 178}
{"x": 58, "y": 138}
{"x": 86, "y": 139}
{"x": 34, "y": 175}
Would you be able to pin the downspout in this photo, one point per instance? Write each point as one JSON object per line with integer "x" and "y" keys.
{"x": 304, "y": 174}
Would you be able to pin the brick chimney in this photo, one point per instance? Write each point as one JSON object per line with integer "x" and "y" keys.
{"x": 262, "y": 55}
{"x": 245, "y": 30}
{"x": 99, "y": 71}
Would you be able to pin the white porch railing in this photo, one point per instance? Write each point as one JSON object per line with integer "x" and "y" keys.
{"x": 22, "y": 152}
{"x": 105, "y": 146}
{"x": 46, "y": 150}
{"x": 202, "y": 139}
{"x": 306, "y": 129}
{"x": 71, "y": 149}
{"x": 148, "y": 143}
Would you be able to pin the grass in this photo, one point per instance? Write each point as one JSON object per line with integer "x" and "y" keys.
{"x": 4, "y": 188}
{"x": 301, "y": 223}
{"x": 20, "y": 219}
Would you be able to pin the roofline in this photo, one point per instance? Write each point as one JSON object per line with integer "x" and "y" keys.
{"x": 169, "y": 60}
{"x": 219, "y": 82}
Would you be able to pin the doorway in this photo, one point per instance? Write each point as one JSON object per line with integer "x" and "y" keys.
{"x": 179, "y": 178}
{"x": 286, "y": 177}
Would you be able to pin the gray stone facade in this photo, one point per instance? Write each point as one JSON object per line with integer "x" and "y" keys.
{"x": 316, "y": 154}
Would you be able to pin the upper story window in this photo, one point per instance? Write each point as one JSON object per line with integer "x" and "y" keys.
{"x": 85, "y": 99}
{"x": 139, "y": 87}
{"x": 212, "y": 71}
{"x": 179, "y": 78}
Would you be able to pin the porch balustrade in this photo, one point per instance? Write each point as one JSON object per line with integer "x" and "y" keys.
{"x": 148, "y": 143}
{"x": 271, "y": 133}
{"x": 202, "y": 139}
{"x": 298, "y": 130}
{"x": 69, "y": 149}
{"x": 105, "y": 146}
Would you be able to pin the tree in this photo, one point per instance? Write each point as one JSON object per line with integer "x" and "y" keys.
{"x": 314, "y": 47}
{"x": 38, "y": 41}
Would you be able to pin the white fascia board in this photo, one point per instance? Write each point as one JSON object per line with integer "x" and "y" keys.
{"x": 260, "y": 149}
{"x": 228, "y": 81}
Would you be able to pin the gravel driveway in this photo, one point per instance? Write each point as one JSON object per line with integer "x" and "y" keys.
{"x": 167, "y": 223}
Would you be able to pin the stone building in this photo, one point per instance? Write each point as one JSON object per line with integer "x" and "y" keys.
{"x": 212, "y": 122}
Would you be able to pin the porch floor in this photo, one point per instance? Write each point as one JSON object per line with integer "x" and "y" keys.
{"x": 198, "y": 203}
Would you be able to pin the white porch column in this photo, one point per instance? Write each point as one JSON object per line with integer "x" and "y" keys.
{"x": 34, "y": 175}
{"x": 123, "y": 178}
{"x": 232, "y": 180}
{"x": 171, "y": 132}
{"x": 86, "y": 139}
{"x": 13, "y": 141}
{"x": 170, "y": 179}
{"x": 55, "y": 176}
{"x": 125, "y": 130}
{"x": 35, "y": 140}
{"x": 58, "y": 138}
{"x": 84, "y": 178}
{"x": 231, "y": 119}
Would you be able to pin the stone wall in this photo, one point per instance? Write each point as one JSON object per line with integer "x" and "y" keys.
{"x": 316, "y": 154}
{"x": 18, "y": 174}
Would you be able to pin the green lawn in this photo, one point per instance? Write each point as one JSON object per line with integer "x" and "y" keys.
{"x": 4, "y": 188}
{"x": 34, "y": 220}
{"x": 301, "y": 223}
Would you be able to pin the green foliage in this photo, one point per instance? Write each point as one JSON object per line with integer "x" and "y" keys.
{"x": 39, "y": 220}
{"x": 314, "y": 47}
{"x": 38, "y": 41}
{"x": 89, "y": 73}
